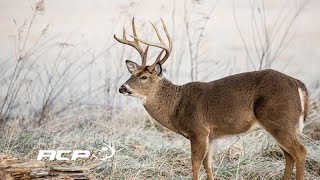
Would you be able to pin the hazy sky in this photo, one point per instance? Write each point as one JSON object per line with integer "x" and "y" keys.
{"x": 91, "y": 24}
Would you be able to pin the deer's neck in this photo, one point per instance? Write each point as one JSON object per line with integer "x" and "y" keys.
{"x": 161, "y": 103}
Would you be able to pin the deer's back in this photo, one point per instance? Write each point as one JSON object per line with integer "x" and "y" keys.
{"x": 233, "y": 104}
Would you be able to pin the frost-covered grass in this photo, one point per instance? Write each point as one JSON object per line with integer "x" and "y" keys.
{"x": 145, "y": 150}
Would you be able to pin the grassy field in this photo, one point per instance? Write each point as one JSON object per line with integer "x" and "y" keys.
{"x": 145, "y": 150}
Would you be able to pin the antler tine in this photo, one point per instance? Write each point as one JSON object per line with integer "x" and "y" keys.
{"x": 134, "y": 43}
{"x": 157, "y": 60}
{"x": 167, "y": 34}
{"x": 157, "y": 32}
{"x": 159, "y": 56}
{"x": 144, "y": 58}
{"x": 134, "y": 30}
{"x": 170, "y": 43}
{"x": 145, "y": 53}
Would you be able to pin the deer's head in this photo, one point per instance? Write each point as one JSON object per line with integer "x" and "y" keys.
{"x": 144, "y": 78}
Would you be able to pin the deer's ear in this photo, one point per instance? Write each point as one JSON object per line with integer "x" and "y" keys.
{"x": 158, "y": 69}
{"x": 132, "y": 66}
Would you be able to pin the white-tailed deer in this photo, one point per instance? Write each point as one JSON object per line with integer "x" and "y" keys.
{"x": 204, "y": 111}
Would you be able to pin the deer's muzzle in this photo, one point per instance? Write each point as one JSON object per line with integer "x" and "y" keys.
{"x": 124, "y": 90}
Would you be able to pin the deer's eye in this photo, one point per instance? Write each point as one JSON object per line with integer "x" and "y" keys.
{"x": 143, "y": 77}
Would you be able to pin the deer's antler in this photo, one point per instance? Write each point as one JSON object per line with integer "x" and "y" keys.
{"x": 161, "y": 44}
{"x": 134, "y": 43}
{"x": 143, "y": 54}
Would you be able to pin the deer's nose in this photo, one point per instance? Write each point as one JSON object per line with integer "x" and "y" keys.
{"x": 122, "y": 89}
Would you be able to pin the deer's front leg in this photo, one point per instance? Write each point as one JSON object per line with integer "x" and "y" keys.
{"x": 199, "y": 149}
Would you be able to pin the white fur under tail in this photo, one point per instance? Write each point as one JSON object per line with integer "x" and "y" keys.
{"x": 301, "y": 118}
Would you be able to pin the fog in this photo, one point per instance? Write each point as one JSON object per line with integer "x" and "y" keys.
{"x": 85, "y": 29}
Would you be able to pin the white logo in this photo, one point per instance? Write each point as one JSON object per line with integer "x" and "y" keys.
{"x": 60, "y": 155}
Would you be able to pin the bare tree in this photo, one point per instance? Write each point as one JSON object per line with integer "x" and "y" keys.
{"x": 269, "y": 38}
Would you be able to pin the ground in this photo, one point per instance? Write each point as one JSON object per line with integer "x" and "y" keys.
{"x": 145, "y": 150}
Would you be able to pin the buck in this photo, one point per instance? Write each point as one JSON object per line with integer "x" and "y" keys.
{"x": 205, "y": 111}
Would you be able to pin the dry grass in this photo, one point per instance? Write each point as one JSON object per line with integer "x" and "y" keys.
{"x": 146, "y": 151}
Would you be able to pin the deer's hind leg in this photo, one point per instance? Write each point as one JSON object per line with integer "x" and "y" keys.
{"x": 289, "y": 164}
{"x": 293, "y": 149}
{"x": 280, "y": 119}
